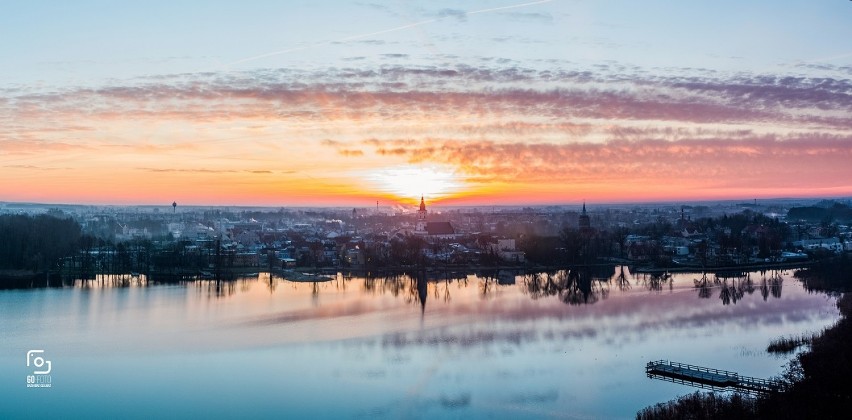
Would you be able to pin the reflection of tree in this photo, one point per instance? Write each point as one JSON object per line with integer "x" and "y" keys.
{"x": 730, "y": 293}
{"x": 414, "y": 288}
{"x": 216, "y": 288}
{"x": 764, "y": 288}
{"x": 269, "y": 279}
{"x": 575, "y": 286}
{"x": 603, "y": 287}
{"x": 621, "y": 281}
{"x": 533, "y": 285}
{"x": 394, "y": 284}
{"x": 487, "y": 286}
{"x": 773, "y": 285}
{"x": 340, "y": 281}
{"x": 315, "y": 293}
{"x": 245, "y": 285}
{"x": 447, "y": 297}
{"x": 831, "y": 276}
{"x": 655, "y": 281}
{"x": 734, "y": 291}
{"x": 704, "y": 286}
{"x": 748, "y": 284}
{"x": 734, "y": 286}
{"x": 411, "y": 296}
{"x": 118, "y": 281}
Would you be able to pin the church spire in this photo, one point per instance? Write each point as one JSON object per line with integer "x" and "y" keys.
{"x": 584, "y": 222}
{"x": 421, "y": 218}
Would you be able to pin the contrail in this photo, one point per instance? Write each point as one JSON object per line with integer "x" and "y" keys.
{"x": 494, "y": 9}
{"x": 384, "y": 31}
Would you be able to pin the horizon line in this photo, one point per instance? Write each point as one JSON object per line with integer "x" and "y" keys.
{"x": 398, "y": 204}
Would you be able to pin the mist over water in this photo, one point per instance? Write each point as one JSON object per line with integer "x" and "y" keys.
{"x": 563, "y": 344}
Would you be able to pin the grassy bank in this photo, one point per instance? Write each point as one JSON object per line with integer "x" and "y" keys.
{"x": 818, "y": 381}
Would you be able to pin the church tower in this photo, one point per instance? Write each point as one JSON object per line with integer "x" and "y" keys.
{"x": 420, "y": 227}
{"x": 583, "y": 221}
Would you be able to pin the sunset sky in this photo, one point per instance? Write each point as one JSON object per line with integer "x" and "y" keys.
{"x": 482, "y": 102}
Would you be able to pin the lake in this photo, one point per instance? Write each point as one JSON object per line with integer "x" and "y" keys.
{"x": 505, "y": 345}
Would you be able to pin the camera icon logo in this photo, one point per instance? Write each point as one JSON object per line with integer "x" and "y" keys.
{"x": 34, "y": 358}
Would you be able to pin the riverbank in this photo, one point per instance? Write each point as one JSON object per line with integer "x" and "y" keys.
{"x": 27, "y": 279}
{"x": 555, "y": 267}
{"x": 817, "y": 381}
{"x": 727, "y": 268}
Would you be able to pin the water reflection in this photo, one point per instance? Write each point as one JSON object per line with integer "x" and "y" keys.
{"x": 734, "y": 286}
{"x": 656, "y": 281}
{"x": 772, "y": 285}
{"x": 101, "y": 281}
{"x": 473, "y": 344}
{"x": 572, "y": 286}
{"x": 621, "y": 281}
{"x": 217, "y": 289}
{"x": 415, "y": 289}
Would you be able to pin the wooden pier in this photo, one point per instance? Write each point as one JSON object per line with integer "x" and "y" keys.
{"x": 702, "y": 377}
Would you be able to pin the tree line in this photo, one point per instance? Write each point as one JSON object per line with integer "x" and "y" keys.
{"x": 36, "y": 243}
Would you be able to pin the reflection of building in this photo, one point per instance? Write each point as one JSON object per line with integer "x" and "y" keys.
{"x": 422, "y": 292}
{"x": 505, "y": 277}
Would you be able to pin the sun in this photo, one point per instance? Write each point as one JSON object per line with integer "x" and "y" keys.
{"x": 409, "y": 183}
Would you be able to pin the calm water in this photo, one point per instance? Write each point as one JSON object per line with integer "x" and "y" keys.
{"x": 396, "y": 348}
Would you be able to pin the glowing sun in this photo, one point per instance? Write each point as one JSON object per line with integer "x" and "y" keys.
{"x": 410, "y": 182}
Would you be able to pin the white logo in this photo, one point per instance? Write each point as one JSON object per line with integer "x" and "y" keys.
{"x": 38, "y": 362}
{"x": 41, "y": 370}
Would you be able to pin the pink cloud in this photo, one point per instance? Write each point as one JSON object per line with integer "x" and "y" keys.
{"x": 759, "y": 162}
{"x": 503, "y": 125}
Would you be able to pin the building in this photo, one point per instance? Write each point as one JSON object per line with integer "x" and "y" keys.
{"x": 420, "y": 227}
{"x": 441, "y": 230}
{"x": 505, "y": 249}
{"x": 584, "y": 222}
{"x": 432, "y": 230}
{"x": 831, "y": 244}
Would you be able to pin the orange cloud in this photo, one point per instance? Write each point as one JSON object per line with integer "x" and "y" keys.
{"x": 758, "y": 165}
{"x": 514, "y": 134}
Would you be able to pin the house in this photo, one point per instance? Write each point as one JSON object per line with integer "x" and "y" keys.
{"x": 505, "y": 249}
{"x": 831, "y": 244}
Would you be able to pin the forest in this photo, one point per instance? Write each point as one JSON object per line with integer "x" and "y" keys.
{"x": 36, "y": 243}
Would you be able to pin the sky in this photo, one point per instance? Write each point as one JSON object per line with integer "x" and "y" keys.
{"x": 345, "y": 103}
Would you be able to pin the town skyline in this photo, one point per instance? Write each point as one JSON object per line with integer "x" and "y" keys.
{"x": 494, "y": 103}
{"x": 406, "y": 206}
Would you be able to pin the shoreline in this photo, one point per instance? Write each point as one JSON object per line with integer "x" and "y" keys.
{"x": 17, "y": 279}
{"x": 815, "y": 381}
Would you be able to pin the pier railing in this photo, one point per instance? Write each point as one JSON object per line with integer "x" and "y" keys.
{"x": 709, "y": 378}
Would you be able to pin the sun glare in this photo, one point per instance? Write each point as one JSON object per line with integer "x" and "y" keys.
{"x": 408, "y": 183}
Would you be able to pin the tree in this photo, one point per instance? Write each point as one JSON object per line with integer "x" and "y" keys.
{"x": 36, "y": 243}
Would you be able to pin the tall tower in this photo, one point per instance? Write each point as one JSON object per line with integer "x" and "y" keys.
{"x": 583, "y": 221}
{"x": 420, "y": 227}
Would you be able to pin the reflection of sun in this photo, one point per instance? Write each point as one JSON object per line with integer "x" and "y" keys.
{"x": 410, "y": 182}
